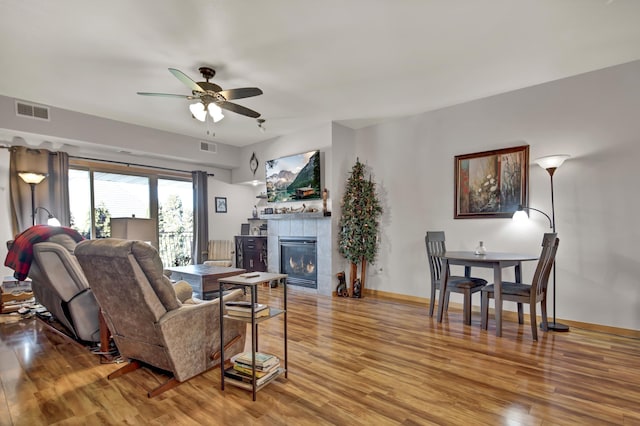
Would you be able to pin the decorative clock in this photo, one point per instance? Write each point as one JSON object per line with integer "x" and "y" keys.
{"x": 253, "y": 163}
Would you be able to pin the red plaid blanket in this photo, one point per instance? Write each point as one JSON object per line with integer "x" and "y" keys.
{"x": 20, "y": 254}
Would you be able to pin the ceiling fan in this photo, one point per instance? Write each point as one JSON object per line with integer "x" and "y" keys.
{"x": 211, "y": 98}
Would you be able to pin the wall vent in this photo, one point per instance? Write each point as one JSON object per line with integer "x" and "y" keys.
{"x": 209, "y": 147}
{"x": 24, "y": 109}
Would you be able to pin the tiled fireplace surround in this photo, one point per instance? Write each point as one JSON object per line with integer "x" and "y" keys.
{"x": 319, "y": 227}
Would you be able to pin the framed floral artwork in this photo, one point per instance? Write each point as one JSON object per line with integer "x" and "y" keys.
{"x": 491, "y": 184}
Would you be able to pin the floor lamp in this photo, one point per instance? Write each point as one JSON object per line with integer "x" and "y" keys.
{"x": 32, "y": 178}
{"x": 550, "y": 163}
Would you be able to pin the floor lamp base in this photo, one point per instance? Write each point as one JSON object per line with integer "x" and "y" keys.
{"x": 555, "y": 326}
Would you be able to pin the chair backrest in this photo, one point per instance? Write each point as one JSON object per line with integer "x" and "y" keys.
{"x": 128, "y": 282}
{"x": 221, "y": 249}
{"x": 59, "y": 284}
{"x": 435, "y": 242}
{"x": 545, "y": 263}
{"x": 54, "y": 262}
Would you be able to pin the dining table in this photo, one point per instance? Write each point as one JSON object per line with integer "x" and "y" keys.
{"x": 493, "y": 260}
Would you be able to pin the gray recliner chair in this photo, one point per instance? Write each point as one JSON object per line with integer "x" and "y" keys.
{"x": 59, "y": 284}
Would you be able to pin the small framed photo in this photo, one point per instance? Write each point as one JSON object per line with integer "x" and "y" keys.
{"x": 221, "y": 204}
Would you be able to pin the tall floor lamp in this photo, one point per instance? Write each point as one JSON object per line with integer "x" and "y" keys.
{"x": 32, "y": 178}
{"x": 550, "y": 163}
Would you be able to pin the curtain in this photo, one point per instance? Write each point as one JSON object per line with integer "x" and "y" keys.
{"x": 58, "y": 189}
{"x": 200, "y": 213}
{"x": 51, "y": 194}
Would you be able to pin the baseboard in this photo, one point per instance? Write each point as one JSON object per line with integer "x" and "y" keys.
{"x": 509, "y": 315}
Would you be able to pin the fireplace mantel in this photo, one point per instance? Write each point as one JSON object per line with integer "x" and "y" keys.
{"x": 289, "y": 216}
{"x": 302, "y": 225}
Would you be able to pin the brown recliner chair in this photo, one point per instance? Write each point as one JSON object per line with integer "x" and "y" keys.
{"x": 148, "y": 323}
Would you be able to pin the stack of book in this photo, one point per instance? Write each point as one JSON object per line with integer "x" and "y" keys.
{"x": 267, "y": 367}
{"x": 242, "y": 309}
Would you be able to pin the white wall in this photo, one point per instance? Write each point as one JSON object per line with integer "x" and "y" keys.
{"x": 343, "y": 159}
{"x": 240, "y": 202}
{"x": 5, "y": 219}
{"x": 83, "y": 134}
{"x": 592, "y": 117}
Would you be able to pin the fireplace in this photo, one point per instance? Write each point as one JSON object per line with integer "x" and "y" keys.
{"x": 298, "y": 260}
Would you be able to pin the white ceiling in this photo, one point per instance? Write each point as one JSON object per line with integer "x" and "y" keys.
{"x": 351, "y": 61}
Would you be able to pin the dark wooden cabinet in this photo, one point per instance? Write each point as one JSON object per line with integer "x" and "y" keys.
{"x": 251, "y": 253}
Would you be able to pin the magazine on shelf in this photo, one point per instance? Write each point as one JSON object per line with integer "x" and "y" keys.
{"x": 234, "y": 374}
{"x": 233, "y": 306}
{"x": 247, "y": 313}
{"x": 244, "y": 305}
{"x": 264, "y": 361}
{"x": 246, "y": 369}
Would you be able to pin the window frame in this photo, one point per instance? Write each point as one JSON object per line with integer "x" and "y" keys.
{"x": 153, "y": 174}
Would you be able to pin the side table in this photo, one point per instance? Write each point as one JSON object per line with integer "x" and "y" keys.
{"x": 14, "y": 291}
{"x": 252, "y": 281}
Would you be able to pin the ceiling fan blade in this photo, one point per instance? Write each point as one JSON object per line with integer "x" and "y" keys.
{"x": 239, "y": 109}
{"x": 186, "y": 80}
{"x": 244, "y": 92}
{"x": 167, "y": 95}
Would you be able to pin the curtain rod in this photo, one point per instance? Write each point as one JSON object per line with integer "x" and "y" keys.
{"x": 123, "y": 163}
{"x": 135, "y": 164}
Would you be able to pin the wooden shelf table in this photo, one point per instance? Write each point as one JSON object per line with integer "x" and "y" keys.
{"x": 252, "y": 281}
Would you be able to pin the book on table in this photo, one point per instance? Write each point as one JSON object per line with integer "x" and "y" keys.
{"x": 239, "y": 376}
{"x": 243, "y": 305}
{"x": 246, "y": 369}
{"x": 263, "y": 361}
{"x": 243, "y": 309}
{"x": 247, "y": 313}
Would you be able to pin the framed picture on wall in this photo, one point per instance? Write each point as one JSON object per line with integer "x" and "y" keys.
{"x": 221, "y": 204}
{"x": 491, "y": 184}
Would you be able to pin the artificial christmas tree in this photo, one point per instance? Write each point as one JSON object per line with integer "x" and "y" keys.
{"x": 358, "y": 236}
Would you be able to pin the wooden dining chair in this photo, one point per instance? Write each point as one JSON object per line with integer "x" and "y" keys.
{"x": 533, "y": 293}
{"x": 466, "y": 285}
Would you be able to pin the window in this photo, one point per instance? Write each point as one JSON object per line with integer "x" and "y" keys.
{"x": 175, "y": 221}
{"x": 99, "y": 192}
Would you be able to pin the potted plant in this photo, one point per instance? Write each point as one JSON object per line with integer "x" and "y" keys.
{"x": 358, "y": 235}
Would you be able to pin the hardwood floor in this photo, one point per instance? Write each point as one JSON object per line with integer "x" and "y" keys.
{"x": 364, "y": 361}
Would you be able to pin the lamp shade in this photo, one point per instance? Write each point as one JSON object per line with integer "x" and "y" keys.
{"x": 198, "y": 111}
{"x": 32, "y": 177}
{"x": 134, "y": 228}
{"x": 520, "y": 216}
{"x": 215, "y": 112}
{"x": 551, "y": 161}
{"x": 51, "y": 219}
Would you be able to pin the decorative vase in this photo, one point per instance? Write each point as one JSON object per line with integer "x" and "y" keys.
{"x": 255, "y": 212}
{"x": 341, "y": 290}
{"x": 481, "y": 249}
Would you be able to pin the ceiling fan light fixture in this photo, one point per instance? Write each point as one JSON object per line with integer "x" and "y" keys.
{"x": 198, "y": 111}
{"x": 215, "y": 112}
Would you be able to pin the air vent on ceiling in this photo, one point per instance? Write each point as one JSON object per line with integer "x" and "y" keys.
{"x": 209, "y": 147}
{"x": 32, "y": 111}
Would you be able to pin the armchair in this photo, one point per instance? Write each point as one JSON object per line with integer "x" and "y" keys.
{"x": 147, "y": 321}
{"x": 59, "y": 284}
{"x": 220, "y": 253}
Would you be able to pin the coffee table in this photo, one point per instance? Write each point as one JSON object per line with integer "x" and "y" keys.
{"x": 203, "y": 279}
